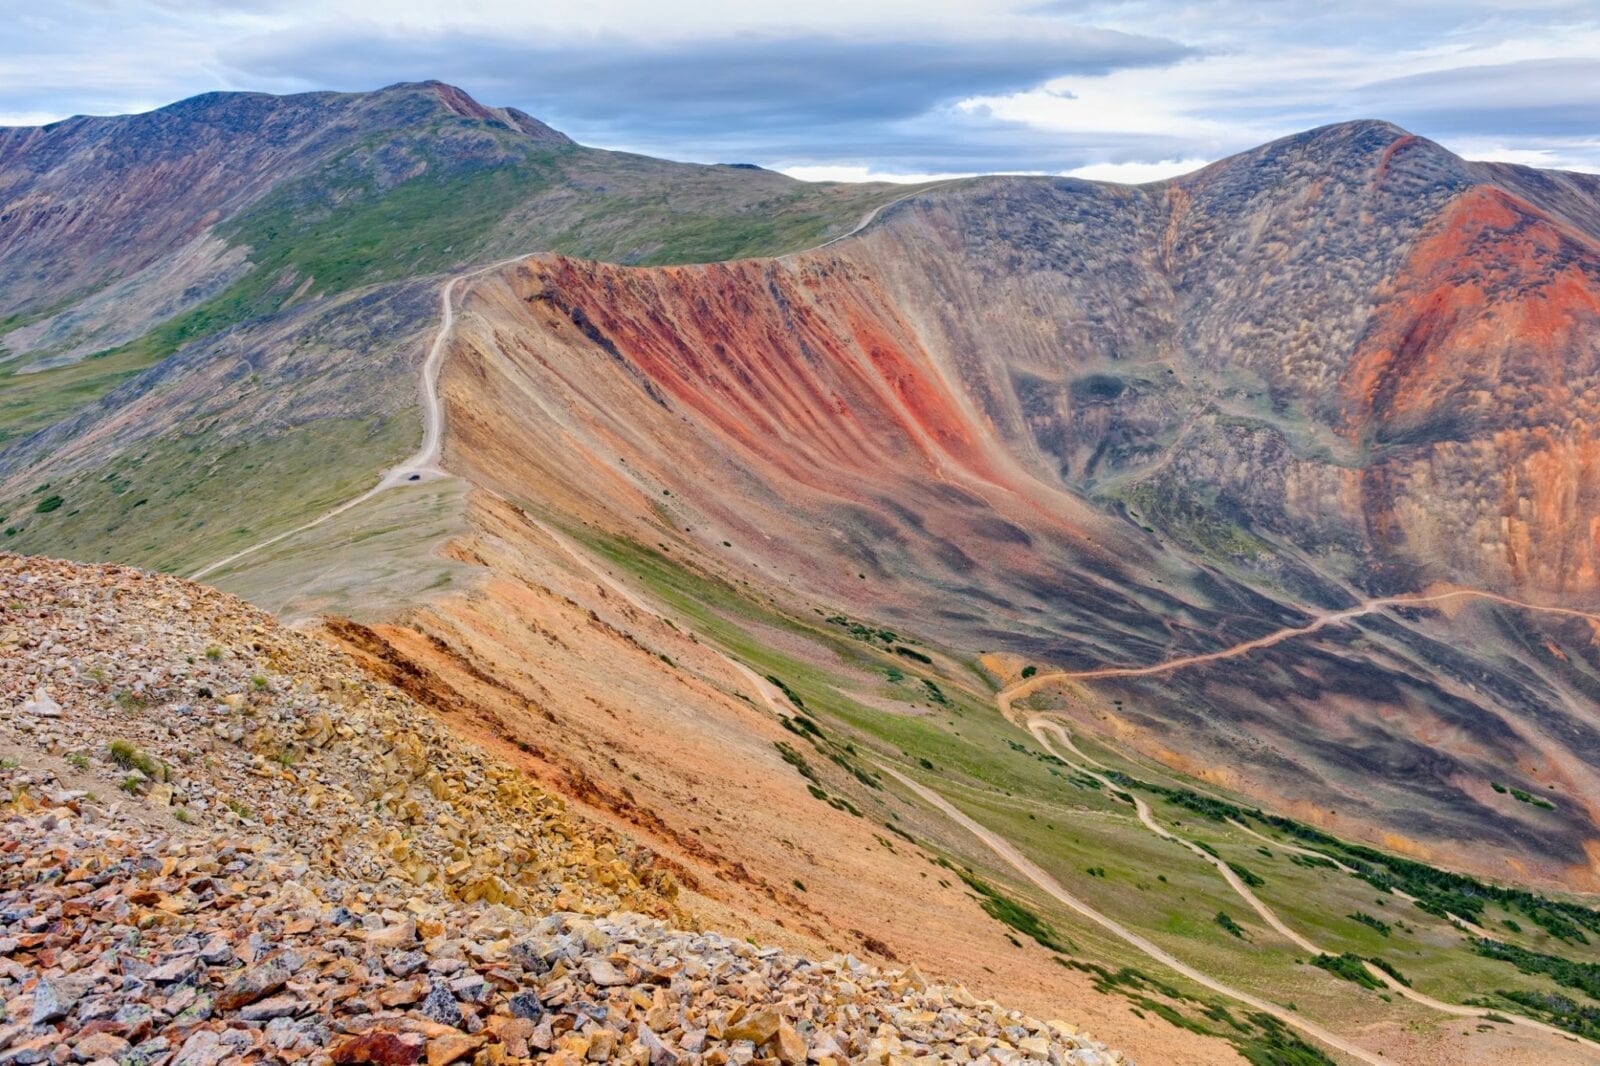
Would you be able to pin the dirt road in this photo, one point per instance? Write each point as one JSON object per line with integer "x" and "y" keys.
{"x": 1040, "y": 727}
{"x": 423, "y": 464}
{"x": 1048, "y": 884}
{"x": 1034, "y": 683}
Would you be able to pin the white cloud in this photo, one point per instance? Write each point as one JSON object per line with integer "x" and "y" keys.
{"x": 1581, "y": 156}
{"x": 27, "y": 118}
{"x": 1255, "y": 70}
{"x": 1137, "y": 173}
{"x": 861, "y": 173}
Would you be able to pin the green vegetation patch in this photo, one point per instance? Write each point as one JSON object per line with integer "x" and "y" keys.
{"x": 1244, "y": 874}
{"x": 1584, "y": 976}
{"x": 1368, "y": 920}
{"x": 1012, "y": 913}
{"x": 1349, "y": 968}
{"x": 30, "y": 402}
{"x": 1229, "y": 925}
{"x": 1439, "y": 892}
{"x": 798, "y": 761}
{"x": 1196, "y": 521}
{"x": 125, "y": 755}
{"x": 1260, "y": 1038}
{"x": 1558, "y": 1010}
{"x": 191, "y": 498}
{"x": 1537, "y": 801}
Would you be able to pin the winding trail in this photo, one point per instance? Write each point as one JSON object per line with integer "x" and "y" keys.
{"x": 1034, "y": 683}
{"x": 423, "y": 464}
{"x": 1040, "y": 727}
{"x": 872, "y": 216}
{"x": 1283, "y": 845}
{"x": 1048, "y": 884}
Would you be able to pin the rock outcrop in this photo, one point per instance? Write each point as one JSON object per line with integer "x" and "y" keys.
{"x": 220, "y": 842}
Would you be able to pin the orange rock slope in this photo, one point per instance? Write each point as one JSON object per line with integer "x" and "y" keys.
{"x": 1482, "y": 357}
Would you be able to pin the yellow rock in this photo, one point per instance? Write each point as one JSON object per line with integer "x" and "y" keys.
{"x": 1035, "y": 1047}
{"x": 447, "y": 1049}
{"x": 574, "y": 1044}
{"x": 791, "y": 1047}
{"x": 757, "y": 1027}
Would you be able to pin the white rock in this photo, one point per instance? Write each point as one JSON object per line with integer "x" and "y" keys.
{"x": 42, "y": 706}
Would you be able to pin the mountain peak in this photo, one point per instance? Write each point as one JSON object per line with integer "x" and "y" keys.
{"x": 1364, "y": 136}
{"x": 397, "y": 104}
{"x": 458, "y": 101}
{"x": 1359, "y": 127}
{"x": 454, "y": 98}
{"x": 1361, "y": 146}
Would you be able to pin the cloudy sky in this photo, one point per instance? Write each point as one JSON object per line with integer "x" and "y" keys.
{"x": 1125, "y": 90}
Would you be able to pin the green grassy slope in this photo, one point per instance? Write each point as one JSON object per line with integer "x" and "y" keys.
{"x": 866, "y": 706}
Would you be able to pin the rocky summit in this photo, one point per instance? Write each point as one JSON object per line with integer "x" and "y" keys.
{"x": 221, "y": 842}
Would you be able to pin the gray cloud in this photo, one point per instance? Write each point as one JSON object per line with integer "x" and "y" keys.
{"x": 939, "y": 142}
{"x": 1135, "y": 81}
{"x": 740, "y": 91}
{"x": 1535, "y": 98}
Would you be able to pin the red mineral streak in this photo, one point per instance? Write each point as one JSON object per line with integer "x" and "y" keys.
{"x": 1489, "y": 328}
{"x": 807, "y": 369}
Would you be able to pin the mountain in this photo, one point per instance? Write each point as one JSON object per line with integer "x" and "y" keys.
{"x": 1092, "y": 426}
{"x": 96, "y": 201}
{"x": 1183, "y": 593}
{"x": 264, "y": 295}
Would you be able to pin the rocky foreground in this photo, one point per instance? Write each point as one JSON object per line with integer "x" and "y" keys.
{"x": 221, "y": 842}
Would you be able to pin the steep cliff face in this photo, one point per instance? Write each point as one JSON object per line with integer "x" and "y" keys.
{"x": 800, "y": 378}
{"x": 785, "y": 415}
{"x": 1097, "y": 425}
